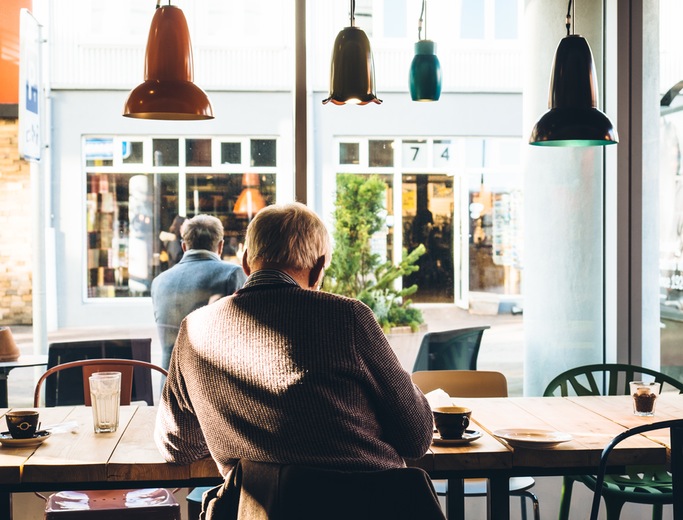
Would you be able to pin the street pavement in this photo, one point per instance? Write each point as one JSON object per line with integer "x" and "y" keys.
{"x": 501, "y": 347}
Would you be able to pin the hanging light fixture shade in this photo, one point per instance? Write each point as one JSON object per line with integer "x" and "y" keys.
{"x": 425, "y": 69}
{"x": 573, "y": 118}
{"x": 352, "y": 73}
{"x": 250, "y": 201}
{"x": 168, "y": 92}
{"x": 425, "y": 73}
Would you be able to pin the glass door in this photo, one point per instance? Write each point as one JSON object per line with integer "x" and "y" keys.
{"x": 428, "y": 211}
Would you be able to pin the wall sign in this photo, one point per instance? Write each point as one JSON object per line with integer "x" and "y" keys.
{"x": 30, "y": 139}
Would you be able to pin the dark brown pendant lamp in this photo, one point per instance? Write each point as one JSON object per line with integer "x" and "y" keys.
{"x": 168, "y": 92}
{"x": 352, "y": 74}
{"x": 573, "y": 118}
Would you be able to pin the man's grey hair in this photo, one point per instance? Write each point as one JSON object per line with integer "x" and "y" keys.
{"x": 202, "y": 232}
{"x": 290, "y": 235}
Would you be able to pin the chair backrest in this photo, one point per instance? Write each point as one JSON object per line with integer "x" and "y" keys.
{"x": 90, "y": 366}
{"x": 606, "y": 379}
{"x": 450, "y": 350}
{"x": 463, "y": 383}
{"x": 676, "y": 434}
{"x": 307, "y": 493}
{"x": 66, "y": 387}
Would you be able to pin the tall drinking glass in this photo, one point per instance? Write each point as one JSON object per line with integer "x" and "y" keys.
{"x": 105, "y": 395}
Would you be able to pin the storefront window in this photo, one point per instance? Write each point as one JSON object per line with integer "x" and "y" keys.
{"x": 231, "y": 153}
{"x": 381, "y": 153}
{"x": 461, "y": 199}
{"x": 349, "y": 153}
{"x": 165, "y": 152}
{"x": 130, "y": 216}
{"x": 198, "y": 152}
{"x": 131, "y": 152}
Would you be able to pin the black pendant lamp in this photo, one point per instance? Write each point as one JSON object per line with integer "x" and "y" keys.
{"x": 352, "y": 74}
{"x": 168, "y": 91}
{"x": 425, "y": 70}
{"x": 573, "y": 118}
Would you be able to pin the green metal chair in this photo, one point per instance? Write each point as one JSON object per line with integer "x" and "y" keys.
{"x": 676, "y": 435}
{"x": 641, "y": 485}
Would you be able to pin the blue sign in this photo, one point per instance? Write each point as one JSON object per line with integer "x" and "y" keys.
{"x": 30, "y": 139}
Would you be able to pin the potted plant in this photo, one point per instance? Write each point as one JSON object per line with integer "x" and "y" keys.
{"x": 356, "y": 271}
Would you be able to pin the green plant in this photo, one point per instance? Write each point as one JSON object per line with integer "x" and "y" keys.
{"x": 355, "y": 270}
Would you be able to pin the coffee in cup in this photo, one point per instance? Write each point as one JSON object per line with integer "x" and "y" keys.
{"x": 22, "y": 424}
{"x": 452, "y": 421}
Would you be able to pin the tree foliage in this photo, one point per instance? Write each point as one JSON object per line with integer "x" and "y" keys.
{"x": 355, "y": 270}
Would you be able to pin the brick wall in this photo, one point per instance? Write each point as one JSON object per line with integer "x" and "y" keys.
{"x": 15, "y": 230}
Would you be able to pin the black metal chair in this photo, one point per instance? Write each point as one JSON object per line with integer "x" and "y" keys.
{"x": 267, "y": 490}
{"x": 641, "y": 485}
{"x": 450, "y": 350}
{"x": 66, "y": 388}
{"x": 676, "y": 433}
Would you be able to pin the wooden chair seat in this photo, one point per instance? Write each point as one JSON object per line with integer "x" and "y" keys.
{"x": 128, "y": 504}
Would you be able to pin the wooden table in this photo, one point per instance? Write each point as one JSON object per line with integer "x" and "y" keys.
{"x": 592, "y": 421}
{"x": 129, "y": 457}
{"x": 7, "y": 366}
{"x": 82, "y": 459}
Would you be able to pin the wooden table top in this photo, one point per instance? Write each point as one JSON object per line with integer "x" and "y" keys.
{"x": 130, "y": 455}
{"x": 592, "y": 421}
{"x": 81, "y": 456}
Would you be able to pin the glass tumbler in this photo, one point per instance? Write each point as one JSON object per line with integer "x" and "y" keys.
{"x": 644, "y": 397}
{"x": 105, "y": 395}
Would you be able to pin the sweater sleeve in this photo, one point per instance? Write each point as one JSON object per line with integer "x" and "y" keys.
{"x": 402, "y": 408}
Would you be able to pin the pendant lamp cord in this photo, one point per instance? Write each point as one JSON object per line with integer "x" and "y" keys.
{"x": 352, "y": 8}
{"x": 569, "y": 17}
{"x": 422, "y": 20}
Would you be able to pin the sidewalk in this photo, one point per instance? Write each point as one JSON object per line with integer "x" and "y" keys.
{"x": 501, "y": 347}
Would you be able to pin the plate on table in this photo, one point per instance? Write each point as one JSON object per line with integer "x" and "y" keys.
{"x": 467, "y": 437}
{"x": 525, "y": 438}
{"x": 7, "y": 440}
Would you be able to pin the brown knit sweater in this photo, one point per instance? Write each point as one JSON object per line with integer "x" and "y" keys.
{"x": 276, "y": 373}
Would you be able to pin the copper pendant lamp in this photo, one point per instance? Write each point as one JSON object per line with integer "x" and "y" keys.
{"x": 352, "y": 73}
{"x": 250, "y": 201}
{"x": 425, "y": 69}
{"x": 573, "y": 118}
{"x": 168, "y": 92}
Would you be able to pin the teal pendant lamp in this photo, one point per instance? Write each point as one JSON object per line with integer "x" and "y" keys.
{"x": 168, "y": 92}
{"x": 425, "y": 69}
{"x": 573, "y": 118}
{"x": 352, "y": 73}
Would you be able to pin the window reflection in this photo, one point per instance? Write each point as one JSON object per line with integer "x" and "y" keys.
{"x": 381, "y": 153}
{"x": 130, "y": 216}
{"x": 428, "y": 219}
{"x": 198, "y": 152}
{"x": 165, "y": 152}
{"x": 132, "y": 152}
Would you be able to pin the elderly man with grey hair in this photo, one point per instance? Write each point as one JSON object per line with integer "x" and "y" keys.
{"x": 282, "y": 372}
{"x": 200, "y": 277}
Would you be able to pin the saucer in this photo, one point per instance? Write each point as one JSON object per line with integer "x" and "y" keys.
{"x": 7, "y": 440}
{"x": 522, "y": 438}
{"x": 467, "y": 437}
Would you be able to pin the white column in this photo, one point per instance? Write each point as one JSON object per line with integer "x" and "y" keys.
{"x": 563, "y": 192}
